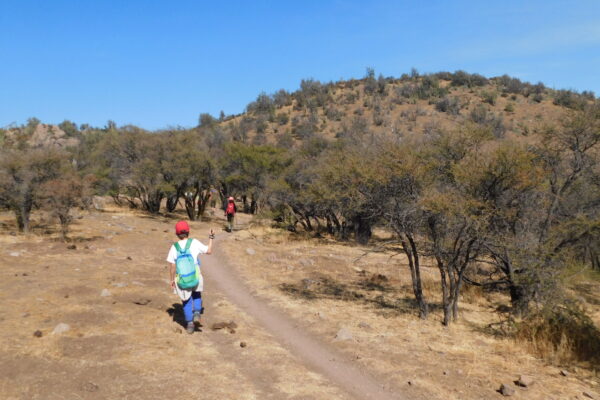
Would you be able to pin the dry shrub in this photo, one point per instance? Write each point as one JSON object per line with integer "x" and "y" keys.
{"x": 473, "y": 294}
{"x": 561, "y": 335}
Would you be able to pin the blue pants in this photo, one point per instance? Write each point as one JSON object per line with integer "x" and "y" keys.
{"x": 194, "y": 303}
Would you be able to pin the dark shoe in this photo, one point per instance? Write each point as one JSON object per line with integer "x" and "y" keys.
{"x": 190, "y": 327}
{"x": 197, "y": 317}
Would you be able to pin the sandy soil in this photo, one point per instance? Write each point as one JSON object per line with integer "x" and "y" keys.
{"x": 130, "y": 344}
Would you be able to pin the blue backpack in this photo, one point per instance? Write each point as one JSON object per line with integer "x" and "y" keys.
{"x": 187, "y": 270}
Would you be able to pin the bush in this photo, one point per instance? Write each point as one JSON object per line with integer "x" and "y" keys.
{"x": 489, "y": 97}
{"x": 462, "y": 78}
{"x": 569, "y": 99}
{"x": 509, "y": 108}
{"x": 562, "y": 335}
{"x": 282, "y": 118}
{"x": 450, "y": 105}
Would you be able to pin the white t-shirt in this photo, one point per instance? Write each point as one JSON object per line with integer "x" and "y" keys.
{"x": 196, "y": 248}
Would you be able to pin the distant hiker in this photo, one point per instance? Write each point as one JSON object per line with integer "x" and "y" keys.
{"x": 184, "y": 271}
{"x": 230, "y": 211}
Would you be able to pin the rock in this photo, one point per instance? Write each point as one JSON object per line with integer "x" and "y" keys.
{"x": 90, "y": 387}
{"x": 13, "y": 234}
{"x": 15, "y": 254}
{"x": 177, "y": 330}
{"x": 137, "y": 283}
{"x": 71, "y": 247}
{"x": 289, "y": 267}
{"x": 506, "y": 390}
{"x": 446, "y": 373}
{"x": 321, "y": 315}
{"x": 243, "y": 344}
{"x": 37, "y": 333}
{"x": 306, "y": 262}
{"x": 343, "y": 334}
{"x": 524, "y": 381}
{"x": 105, "y": 293}
{"x": 120, "y": 284}
{"x": 129, "y": 258}
{"x": 410, "y": 383}
{"x": 359, "y": 270}
{"x": 110, "y": 250}
{"x": 364, "y": 325}
{"x": 61, "y": 328}
{"x": 98, "y": 203}
{"x": 564, "y": 372}
{"x": 231, "y": 325}
{"x": 250, "y": 251}
{"x": 588, "y": 395}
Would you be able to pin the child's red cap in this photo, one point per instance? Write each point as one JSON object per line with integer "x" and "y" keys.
{"x": 182, "y": 227}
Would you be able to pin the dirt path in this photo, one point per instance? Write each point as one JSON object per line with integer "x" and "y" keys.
{"x": 339, "y": 369}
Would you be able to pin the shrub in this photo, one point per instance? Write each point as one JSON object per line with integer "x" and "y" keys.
{"x": 509, "y": 108}
{"x": 563, "y": 334}
{"x": 282, "y": 98}
{"x": 462, "y": 78}
{"x": 450, "y": 105}
{"x": 489, "y": 97}
{"x": 333, "y": 114}
{"x": 283, "y": 118}
{"x": 478, "y": 114}
{"x": 569, "y": 99}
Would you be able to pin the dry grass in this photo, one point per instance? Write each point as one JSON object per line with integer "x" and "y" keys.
{"x": 330, "y": 285}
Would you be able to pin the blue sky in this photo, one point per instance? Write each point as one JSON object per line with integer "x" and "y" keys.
{"x": 161, "y": 63}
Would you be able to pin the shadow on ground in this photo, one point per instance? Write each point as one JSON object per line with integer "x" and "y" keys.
{"x": 374, "y": 290}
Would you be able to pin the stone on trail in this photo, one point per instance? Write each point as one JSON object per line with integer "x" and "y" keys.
{"x": 589, "y": 395}
{"x": 98, "y": 203}
{"x": 364, "y": 325}
{"x": 243, "y": 344}
{"x": 61, "y": 328}
{"x": 37, "y": 333}
{"x": 564, "y": 372}
{"x": 72, "y": 247}
{"x": 250, "y": 251}
{"x": 105, "y": 293}
{"x": 306, "y": 262}
{"x": 525, "y": 381}
{"x": 343, "y": 334}
{"x": 120, "y": 284}
{"x": 506, "y": 390}
{"x": 15, "y": 254}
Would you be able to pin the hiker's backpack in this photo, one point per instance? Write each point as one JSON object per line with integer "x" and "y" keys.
{"x": 230, "y": 208}
{"x": 187, "y": 271}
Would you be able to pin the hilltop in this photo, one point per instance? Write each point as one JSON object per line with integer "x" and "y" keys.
{"x": 398, "y": 107}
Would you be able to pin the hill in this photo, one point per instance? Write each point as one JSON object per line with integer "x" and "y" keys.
{"x": 399, "y": 107}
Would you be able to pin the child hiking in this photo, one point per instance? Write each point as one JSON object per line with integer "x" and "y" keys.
{"x": 184, "y": 272}
{"x": 230, "y": 211}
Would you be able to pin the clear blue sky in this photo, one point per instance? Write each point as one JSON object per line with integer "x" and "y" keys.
{"x": 161, "y": 63}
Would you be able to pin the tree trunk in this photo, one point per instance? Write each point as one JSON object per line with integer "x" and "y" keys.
{"x": 172, "y": 201}
{"x": 519, "y": 299}
{"x": 415, "y": 273}
{"x": 362, "y": 229}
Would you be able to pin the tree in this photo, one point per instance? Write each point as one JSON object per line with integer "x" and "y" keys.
{"x": 64, "y": 193}
{"x": 22, "y": 172}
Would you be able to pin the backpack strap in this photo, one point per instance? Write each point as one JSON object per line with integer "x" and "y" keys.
{"x": 177, "y": 247}
{"x": 188, "y": 244}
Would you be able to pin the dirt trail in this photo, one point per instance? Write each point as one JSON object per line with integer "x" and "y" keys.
{"x": 338, "y": 368}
